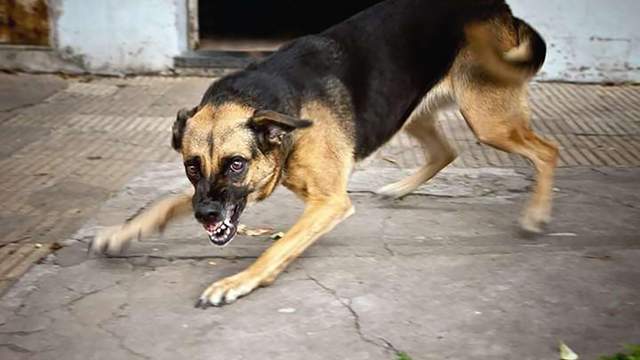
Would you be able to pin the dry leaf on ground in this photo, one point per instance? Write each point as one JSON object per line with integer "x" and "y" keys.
{"x": 566, "y": 353}
{"x": 244, "y": 230}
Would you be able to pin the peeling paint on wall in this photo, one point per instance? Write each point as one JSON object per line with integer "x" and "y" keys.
{"x": 24, "y": 22}
{"x": 116, "y": 37}
{"x": 588, "y": 40}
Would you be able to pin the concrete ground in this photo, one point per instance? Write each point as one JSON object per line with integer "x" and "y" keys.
{"x": 442, "y": 274}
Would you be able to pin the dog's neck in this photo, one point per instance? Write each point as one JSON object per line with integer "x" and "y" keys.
{"x": 288, "y": 143}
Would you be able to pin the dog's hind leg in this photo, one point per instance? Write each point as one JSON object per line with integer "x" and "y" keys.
{"x": 499, "y": 117}
{"x": 422, "y": 126}
{"x": 113, "y": 240}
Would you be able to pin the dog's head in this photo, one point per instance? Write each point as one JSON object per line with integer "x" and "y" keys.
{"x": 233, "y": 155}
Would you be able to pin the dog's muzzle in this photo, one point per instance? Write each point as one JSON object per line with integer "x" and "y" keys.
{"x": 221, "y": 226}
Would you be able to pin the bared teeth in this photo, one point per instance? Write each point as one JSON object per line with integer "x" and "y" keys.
{"x": 220, "y": 232}
{"x": 222, "y": 229}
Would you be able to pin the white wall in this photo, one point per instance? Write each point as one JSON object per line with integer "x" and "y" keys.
{"x": 120, "y": 36}
{"x": 588, "y": 40}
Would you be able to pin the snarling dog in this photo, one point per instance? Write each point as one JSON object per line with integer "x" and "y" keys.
{"x": 306, "y": 114}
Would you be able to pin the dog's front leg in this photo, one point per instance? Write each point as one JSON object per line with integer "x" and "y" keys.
{"x": 113, "y": 240}
{"x": 319, "y": 217}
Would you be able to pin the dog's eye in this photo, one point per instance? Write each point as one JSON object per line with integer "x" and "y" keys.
{"x": 193, "y": 171}
{"x": 237, "y": 165}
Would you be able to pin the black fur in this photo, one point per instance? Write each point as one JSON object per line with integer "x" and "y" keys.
{"x": 538, "y": 45}
{"x": 272, "y": 127}
{"x": 177, "y": 130}
{"x": 213, "y": 197}
{"x": 373, "y": 68}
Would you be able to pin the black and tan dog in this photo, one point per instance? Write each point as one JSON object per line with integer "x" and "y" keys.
{"x": 307, "y": 113}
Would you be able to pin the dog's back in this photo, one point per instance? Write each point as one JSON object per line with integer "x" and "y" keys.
{"x": 385, "y": 59}
{"x": 395, "y": 64}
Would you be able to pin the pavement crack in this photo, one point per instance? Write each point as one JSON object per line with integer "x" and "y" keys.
{"x": 390, "y": 345}
{"x": 16, "y": 348}
{"x": 598, "y": 171}
{"x": 181, "y": 257}
{"x": 84, "y": 295}
{"x": 67, "y": 305}
{"x": 420, "y": 194}
{"x": 386, "y": 246}
{"x": 20, "y": 107}
{"x": 121, "y": 343}
{"x": 356, "y": 317}
{"x": 389, "y": 250}
{"x": 614, "y": 200}
{"x": 22, "y": 332}
{"x": 119, "y": 338}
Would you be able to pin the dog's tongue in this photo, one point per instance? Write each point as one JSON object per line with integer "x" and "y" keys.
{"x": 212, "y": 227}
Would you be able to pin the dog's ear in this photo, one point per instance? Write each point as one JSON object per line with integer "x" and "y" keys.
{"x": 274, "y": 126}
{"x": 179, "y": 125}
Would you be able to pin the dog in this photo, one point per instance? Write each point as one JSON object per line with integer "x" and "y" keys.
{"x": 306, "y": 114}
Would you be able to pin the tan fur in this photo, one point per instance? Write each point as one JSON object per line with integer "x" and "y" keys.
{"x": 230, "y": 137}
{"x": 323, "y": 188}
{"x": 225, "y": 124}
{"x": 422, "y": 127}
{"x": 498, "y": 114}
{"x": 495, "y": 47}
{"x": 499, "y": 117}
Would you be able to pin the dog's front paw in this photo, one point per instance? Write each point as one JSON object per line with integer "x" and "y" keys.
{"x": 228, "y": 290}
{"x": 535, "y": 218}
{"x": 111, "y": 240}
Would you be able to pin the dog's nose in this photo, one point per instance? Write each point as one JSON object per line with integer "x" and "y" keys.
{"x": 208, "y": 212}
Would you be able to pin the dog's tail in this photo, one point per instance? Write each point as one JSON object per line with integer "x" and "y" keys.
{"x": 515, "y": 65}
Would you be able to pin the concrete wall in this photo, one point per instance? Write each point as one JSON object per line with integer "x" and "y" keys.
{"x": 122, "y": 36}
{"x": 588, "y": 40}
{"x": 106, "y": 37}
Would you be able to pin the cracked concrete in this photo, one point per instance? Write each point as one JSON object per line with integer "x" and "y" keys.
{"x": 441, "y": 274}
{"x": 444, "y": 274}
{"x": 105, "y": 317}
{"x": 356, "y": 318}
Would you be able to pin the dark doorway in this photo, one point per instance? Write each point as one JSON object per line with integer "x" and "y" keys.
{"x": 256, "y": 25}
